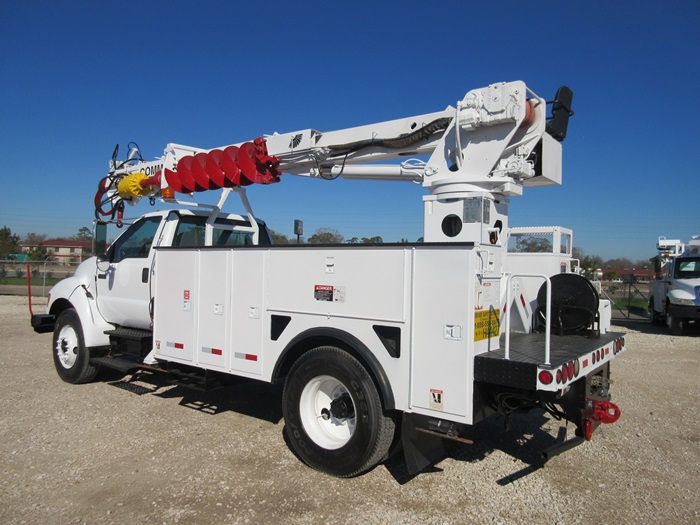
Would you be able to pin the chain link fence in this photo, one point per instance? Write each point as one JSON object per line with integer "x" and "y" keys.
{"x": 629, "y": 299}
{"x": 44, "y": 274}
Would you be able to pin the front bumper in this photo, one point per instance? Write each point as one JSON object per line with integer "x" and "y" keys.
{"x": 43, "y": 323}
{"x": 684, "y": 312}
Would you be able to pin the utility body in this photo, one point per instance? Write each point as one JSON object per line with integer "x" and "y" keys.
{"x": 377, "y": 345}
{"x": 674, "y": 293}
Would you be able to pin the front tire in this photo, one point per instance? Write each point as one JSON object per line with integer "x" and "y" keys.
{"x": 675, "y": 324}
{"x": 70, "y": 356}
{"x": 655, "y": 316}
{"x": 333, "y": 414}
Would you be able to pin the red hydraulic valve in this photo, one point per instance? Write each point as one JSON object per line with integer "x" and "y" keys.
{"x": 228, "y": 168}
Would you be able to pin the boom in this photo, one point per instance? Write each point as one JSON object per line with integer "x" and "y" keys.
{"x": 479, "y": 153}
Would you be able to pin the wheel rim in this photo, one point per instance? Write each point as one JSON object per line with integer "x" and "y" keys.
{"x": 67, "y": 347}
{"x": 327, "y": 412}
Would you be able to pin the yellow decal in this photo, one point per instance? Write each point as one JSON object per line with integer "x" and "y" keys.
{"x": 486, "y": 324}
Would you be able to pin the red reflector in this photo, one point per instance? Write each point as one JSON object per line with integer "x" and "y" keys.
{"x": 216, "y": 351}
{"x": 522, "y": 300}
{"x": 251, "y": 357}
{"x": 179, "y": 345}
{"x": 546, "y": 377}
{"x": 585, "y": 363}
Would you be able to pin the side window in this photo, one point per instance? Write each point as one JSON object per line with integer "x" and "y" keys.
{"x": 190, "y": 232}
{"x": 135, "y": 243}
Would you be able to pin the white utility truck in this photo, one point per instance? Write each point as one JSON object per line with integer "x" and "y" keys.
{"x": 377, "y": 345}
{"x": 674, "y": 293}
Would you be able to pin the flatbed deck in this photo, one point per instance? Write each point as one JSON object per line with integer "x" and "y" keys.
{"x": 527, "y": 355}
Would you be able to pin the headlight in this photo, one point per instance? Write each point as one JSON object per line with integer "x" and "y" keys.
{"x": 684, "y": 302}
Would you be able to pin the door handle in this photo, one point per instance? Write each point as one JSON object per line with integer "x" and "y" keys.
{"x": 144, "y": 275}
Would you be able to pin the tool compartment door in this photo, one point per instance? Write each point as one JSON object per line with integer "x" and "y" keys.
{"x": 175, "y": 305}
{"x": 214, "y": 308}
{"x": 443, "y": 338}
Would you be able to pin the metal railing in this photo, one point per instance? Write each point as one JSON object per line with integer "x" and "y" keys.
{"x": 548, "y": 321}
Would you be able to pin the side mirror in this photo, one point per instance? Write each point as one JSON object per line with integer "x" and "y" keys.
{"x": 99, "y": 239}
{"x": 102, "y": 262}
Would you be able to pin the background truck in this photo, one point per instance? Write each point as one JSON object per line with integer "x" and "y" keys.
{"x": 674, "y": 293}
{"x": 377, "y": 345}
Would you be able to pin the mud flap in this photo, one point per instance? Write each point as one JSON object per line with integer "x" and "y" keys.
{"x": 420, "y": 449}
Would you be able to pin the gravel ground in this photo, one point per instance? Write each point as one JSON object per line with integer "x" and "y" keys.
{"x": 136, "y": 450}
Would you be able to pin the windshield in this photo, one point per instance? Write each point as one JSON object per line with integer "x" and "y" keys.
{"x": 687, "y": 268}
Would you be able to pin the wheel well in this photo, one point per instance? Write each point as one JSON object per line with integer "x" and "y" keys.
{"x": 314, "y": 338}
{"x": 59, "y": 306}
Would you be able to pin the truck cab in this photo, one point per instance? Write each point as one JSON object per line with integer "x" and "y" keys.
{"x": 674, "y": 295}
{"x": 115, "y": 289}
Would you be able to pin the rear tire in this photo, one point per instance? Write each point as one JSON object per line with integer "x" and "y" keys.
{"x": 70, "y": 357}
{"x": 333, "y": 414}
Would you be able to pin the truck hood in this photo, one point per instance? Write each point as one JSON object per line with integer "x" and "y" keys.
{"x": 686, "y": 289}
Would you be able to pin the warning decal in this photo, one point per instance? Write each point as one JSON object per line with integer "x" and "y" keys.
{"x": 486, "y": 324}
{"x": 436, "y": 399}
{"x": 333, "y": 294}
{"x": 323, "y": 292}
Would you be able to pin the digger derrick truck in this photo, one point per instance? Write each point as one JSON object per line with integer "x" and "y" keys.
{"x": 378, "y": 346}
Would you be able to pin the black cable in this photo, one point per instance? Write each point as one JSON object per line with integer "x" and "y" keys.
{"x": 401, "y": 141}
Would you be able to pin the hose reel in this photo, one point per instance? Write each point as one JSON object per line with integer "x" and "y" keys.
{"x": 574, "y": 304}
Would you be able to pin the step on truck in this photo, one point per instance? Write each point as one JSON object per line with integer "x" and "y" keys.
{"x": 379, "y": 347}
{"x": 674, "y": 293}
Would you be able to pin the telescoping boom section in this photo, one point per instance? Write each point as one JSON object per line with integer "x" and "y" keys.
{"x": 379, "y": 347}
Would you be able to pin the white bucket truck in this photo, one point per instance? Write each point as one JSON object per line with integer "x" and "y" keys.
{"x": 674, "y": 293}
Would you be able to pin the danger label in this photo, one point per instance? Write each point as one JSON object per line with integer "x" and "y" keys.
{"x": 486, "y": 324}
{"x": 436, "y": 399}
{"x": 333, "y": 294}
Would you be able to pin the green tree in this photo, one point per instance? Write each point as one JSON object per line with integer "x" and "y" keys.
{"x": 9, "y": 243}
{"x": 326, "y": 236}
{"x": 280, "y": 238}
{"x": 372, "y": 240}
{"x": 39, "y": 253}
{"x": 590, "y": 264}
{"x": 84, "y": 235}
{"x": 34, "y": 238}
{"x": 621, "y": 263}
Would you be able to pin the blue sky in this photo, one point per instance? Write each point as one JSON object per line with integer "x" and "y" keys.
{"x": 77, "y": 77}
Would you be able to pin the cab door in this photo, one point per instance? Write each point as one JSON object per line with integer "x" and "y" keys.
{"x": 124, "y": 275}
